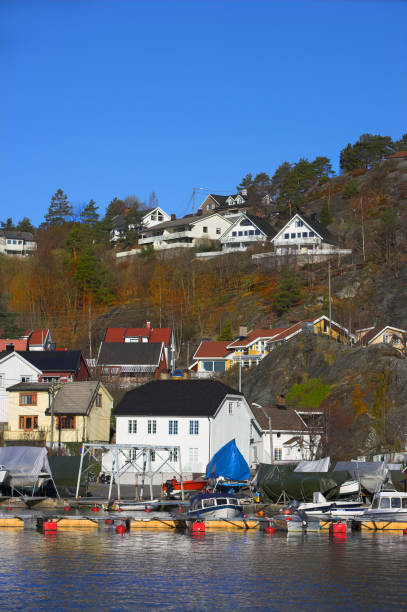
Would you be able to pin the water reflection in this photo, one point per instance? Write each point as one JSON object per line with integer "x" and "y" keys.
{"x": 150, "y": 570}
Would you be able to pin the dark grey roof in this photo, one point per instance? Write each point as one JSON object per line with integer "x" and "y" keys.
{"x": 263, "y": 225}
{"x": 200, "y": 398}
{"x": 281, "y": 419}
{"x": 30, "y": 386}
{"x": 51, "y": 361}
{"x": 320, "y": 229}
{"x": 130, "y": 353}
{"x": 16, "y": 235}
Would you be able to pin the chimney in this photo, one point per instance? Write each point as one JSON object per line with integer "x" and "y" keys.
{"x": 280, "y": 402}
{"x": 199, "y": 212}
{"x": 148, "y": 325}
{"x": 173, "y": 217}
{"x": 243, "y": 330}
{"x": 244, "y": 192}
{"x": 10, "y": 347}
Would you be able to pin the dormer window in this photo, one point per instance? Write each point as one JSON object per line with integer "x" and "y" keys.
{"x": 299, "y": 223}
{"x": 239, "y": 200}
{"x": 230, "y": 201}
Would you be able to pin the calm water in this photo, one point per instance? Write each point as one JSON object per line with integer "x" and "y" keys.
{"x": 171, "y": 571}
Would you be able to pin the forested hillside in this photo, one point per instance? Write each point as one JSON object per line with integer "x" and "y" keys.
{"x": 75, "y": 286}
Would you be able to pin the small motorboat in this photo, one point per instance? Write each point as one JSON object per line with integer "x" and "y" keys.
{"x": 172, "y": 488}
{"x": 3, "y": 474}
{"x": 320, "y": 506}
{"x": 350, "y": 487}
{"x": 214, "y": 506}
{"x": 386, "y": 506}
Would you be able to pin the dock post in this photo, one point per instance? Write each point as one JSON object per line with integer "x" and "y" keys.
{"x": 80, "y": 472}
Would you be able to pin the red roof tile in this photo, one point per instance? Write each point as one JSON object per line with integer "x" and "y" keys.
{"x": 212, "y": 349}
{"x": 287, "y": 332}
{"x": 136, "y": 332}
{"x": 161, "y": 334}
{"x": 38, "y": 336}
{"x": 397, "y": 154}
{"x": 115, "y": 334}
{"x": 19, "y": 345}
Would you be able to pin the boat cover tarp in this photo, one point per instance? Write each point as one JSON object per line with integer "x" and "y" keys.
{"x": 399, "y": 480}
{"x": 65, "y": 470}
{"x": 272, "y": 480}
{"x": 370, "y": 474}
{"x": 24, "y": 464}
{"x": 229, "y": 463}
{"x": 321, "y": 465}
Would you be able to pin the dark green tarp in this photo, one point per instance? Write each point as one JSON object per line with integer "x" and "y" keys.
{"x": 399, "y": 479}
{"x": 272, "y": 480}
{"x": 65, "y": 470}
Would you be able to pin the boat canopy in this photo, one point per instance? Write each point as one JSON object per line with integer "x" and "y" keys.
{"x": 229, "y": 463}
{"x": 320, "y": 465}
{"x": 370, "y": 474}
{"x": 25, "y": 464}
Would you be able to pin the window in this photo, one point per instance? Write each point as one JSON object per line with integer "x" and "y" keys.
{"x": 14, "y": 241}
{"x": 173, "y": 428}
{"x": 99, "y": 400}
{"x": 404, "y": 502}
{"x": 299, "y": 223}
{"x": 230, "y": 407}
{"x": 205, "y": 229}
{"x": 304, "y": 234}
{"x": 193, "y": 455}
{"x": 395, "y": 502}
{"x": 8, "y": 241}
{"x": 28, "y": 423}
{"x": 151, "y": 426}
{"x": 173, "y": 455}
{"x": 20, "y": 242}
{"x": 160, "y": 217}
{"x": 152, "y": 455}
{"x": 240, "y": 233}
{"x": 234, "y": 233}
{"x": 286, "y": 236}
{"x": 25, "y": 378}
{"x": 293, "y": 235}
{"x": 299, "y": 235}
{"x": 311, "y": 234}
{"x": 66, "y": 422}
{"x": 132, "y": 454}
{"x": 219, "y": 366}
{"x": 28, "y": 399}
{"x": 277, "y": 454}
{"x": 208, "y": 366}
{"x": 385, "y": 502}
{"x": 218, "y": 230}
{"x": 193, "y": 428}
{"x": 132, "y": 427}
{"x": 245, "y": 233}
{"x": 1, "y": 379}
{"x": 257, "y": 232}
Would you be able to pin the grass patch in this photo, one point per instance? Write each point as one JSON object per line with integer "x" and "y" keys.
{"x": 310, "y": 394}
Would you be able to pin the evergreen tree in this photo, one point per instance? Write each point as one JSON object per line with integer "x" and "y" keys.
{"x": 116, "y": 207}
{"x": 59, "y": 209}
{"x": 226, "y": 333}
{"x": 325, "y": 216}
{"x": 401, "y": 145}
{"x": 246, "y": 182}
{"x": 366, "y": 152}
{"x": 89, "y": 214}
{"x": 288, "y": 293}
{"x": 8, "y": 225}
{"x": 25, "y": 225}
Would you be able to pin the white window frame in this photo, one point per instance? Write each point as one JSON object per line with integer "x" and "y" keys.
{"x": 194, "y": 427}
{"x": 193, "y": 454}
{"x": 132, "y": 426}
{"x": 173, "y": 428}
{"x": 151, "y": 426}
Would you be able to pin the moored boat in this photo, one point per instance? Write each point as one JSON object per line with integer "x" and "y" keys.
{"x": 214, "y": 506}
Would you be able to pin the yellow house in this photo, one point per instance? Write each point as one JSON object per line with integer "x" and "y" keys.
{"x": 393, "y": 336}
{"x": 81, "y": 412}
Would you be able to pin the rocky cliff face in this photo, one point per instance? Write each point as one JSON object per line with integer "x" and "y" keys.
{"x": 366, "y": 409}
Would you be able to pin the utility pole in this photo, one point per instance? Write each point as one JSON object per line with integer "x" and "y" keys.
{"x": 193, "y": 200}
{"x": 240, "y": 373}
{"x": 90, "y": 328}
{"x": 52, "y": 413}
{"x": 329, "y": 298}
{"x": 271, "y": 440}
{"x": 363, "y": 228}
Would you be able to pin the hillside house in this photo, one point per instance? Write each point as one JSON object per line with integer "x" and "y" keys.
{"x": 38, "y": 366}
{"x": 149, "y": 217}
{"x": 211, "y": 358}
{"x": 82, "y": 412}
{"x": 188, "y": 232}
{"x": 199, "y": 416}
{"x": 14, "y": 243}
{"x": 296, "y": 434}
{"x": 303, "y": 234}
{"x": 39, "y": 340}
{"x": 394, "y": 336}
{"x": 130, "y": 363}
{"x": 145, "y": 334}
{"x": 247, "y": 230}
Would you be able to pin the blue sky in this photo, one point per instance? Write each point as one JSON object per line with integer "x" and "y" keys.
{"x": 118, "y": 97}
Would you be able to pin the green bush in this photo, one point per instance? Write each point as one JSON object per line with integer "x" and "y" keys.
{"x": 351, "y": 189}
{"x": 309, "y": 394}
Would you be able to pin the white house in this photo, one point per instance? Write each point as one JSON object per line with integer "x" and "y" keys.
{"x": 246, "y": 231}
{"x": 149, "y": 217}
{"x": 199, "y": 416}
{"x": 186, "y": 232}
{"x": 14, "y": 369}
{"x": 296, "y": 434}
{"x": 303, "y": 235}
{"x": 225, "y": 204}
{"x": 17, "y": 243}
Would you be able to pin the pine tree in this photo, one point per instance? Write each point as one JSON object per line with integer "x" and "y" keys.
{"x": 288, "y": 293}
{"x": 25, "y": 225}
{"x": 325, "y": 216}
{"x": 226, "y": 333}
{"x": 8, "y": 225}
{"x": 89, "y": 216}
{"x": 59, "y": 209}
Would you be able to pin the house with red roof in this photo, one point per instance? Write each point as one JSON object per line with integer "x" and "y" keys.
{"x": 394, "y": 336}
{"x": 211, "y": 358}
{"x": 38, "y": 340}
{"x": 148, "y": 334}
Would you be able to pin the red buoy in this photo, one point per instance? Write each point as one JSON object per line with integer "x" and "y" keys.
{"x": 95, "y": 509}
{"x": 270, "y": 529}
{"x": 337, "y": 529}
{"x": 286, "y": 512}
{"x": 50, "y": 526}
{"x": 8, "y": 508}
{"x": 120, "y": 529}
{"x": 147, "y": 509}
{"x": 109, "y": 522}
{"x": 67, "y": 508}
{"x": 197, "y": 526}
{"x": 119, "y": 509}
